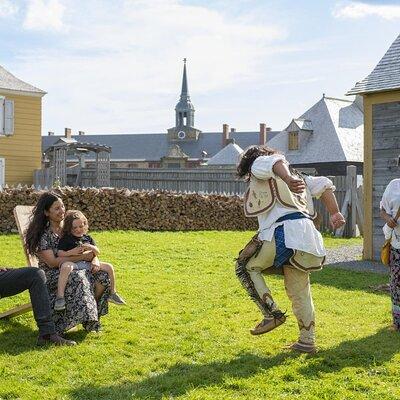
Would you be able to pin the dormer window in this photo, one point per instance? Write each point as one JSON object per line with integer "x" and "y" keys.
{"x": 293, "y": 140}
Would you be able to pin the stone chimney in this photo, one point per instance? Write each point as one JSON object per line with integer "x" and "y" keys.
{"x": 67, "y": 133}
{"x": 81, "y": 133}
{"x": 263, "y": 134}
{"x": 225, "y": 134}
{"x": 50, "y": 133}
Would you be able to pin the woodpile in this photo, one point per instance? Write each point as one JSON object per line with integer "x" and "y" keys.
{"x": 122, "y": 209}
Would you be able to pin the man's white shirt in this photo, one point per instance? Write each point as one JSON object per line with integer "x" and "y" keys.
{"x": 300, "y": 234}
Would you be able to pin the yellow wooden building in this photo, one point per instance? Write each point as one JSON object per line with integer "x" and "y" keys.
{"x": 381, "y": 94}
{"x": 20, "y": 129}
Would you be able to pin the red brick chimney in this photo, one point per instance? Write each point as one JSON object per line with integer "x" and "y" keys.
{"x": 225, "y": 134}
{"x": 67, "y": 133}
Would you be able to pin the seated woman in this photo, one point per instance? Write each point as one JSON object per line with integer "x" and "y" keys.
{"x": 86, "y": 294}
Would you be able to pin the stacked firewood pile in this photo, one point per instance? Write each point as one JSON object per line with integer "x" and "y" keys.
{"x": 111, "y": 209}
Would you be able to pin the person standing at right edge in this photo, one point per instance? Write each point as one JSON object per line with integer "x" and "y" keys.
{"x": 287, "y": 239}
{"x": 390, "y": 212}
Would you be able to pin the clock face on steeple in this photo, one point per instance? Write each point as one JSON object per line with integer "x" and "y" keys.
{"x": 181, "y": 135}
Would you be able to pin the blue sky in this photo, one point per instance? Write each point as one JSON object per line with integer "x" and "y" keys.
{"x": 116, "y": 66}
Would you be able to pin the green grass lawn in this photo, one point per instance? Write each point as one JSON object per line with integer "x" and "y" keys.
{"x": 185, "y": 333}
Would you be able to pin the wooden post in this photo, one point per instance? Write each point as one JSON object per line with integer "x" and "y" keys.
{"x": 351, "y": 186}
{"x": 345, "y": 212}
{"x": 349, "y": 206}
{"x": 360, "y": 211}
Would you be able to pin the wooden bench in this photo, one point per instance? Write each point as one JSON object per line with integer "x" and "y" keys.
{"x": 22, "y": 216}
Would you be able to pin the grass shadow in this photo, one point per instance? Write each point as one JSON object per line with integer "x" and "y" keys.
{"x": 16, "y": 338}
{"x": 183, "y": 377}
{"x": 368, "y": 352}
{"x": 349, "y": 281}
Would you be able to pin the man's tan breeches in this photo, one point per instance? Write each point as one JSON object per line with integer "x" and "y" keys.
{"x": 297, "y": 285}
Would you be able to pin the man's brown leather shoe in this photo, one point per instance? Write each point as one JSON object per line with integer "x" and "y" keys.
{"x": 54, "y": 339}
{"x": 303, "y": 347}
{"x": 268, "y": 324}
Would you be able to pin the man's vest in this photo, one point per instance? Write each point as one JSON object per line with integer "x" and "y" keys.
{"x": 262, "y": 195}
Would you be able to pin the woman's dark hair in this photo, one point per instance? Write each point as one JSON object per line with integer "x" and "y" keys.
{"x": 70, "y": 217}
{"x": 39, "y": 221}
{"x": 248, "y": 156}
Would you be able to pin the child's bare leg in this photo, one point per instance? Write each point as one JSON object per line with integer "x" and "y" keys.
{"x": 95, "y": 261}
{"x": 65, "y": 269}
{"x": 114, "y": 296}
{"x": 106, "y": 267}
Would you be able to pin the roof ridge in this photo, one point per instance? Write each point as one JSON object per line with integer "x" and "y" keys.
{"x": 337, "y": 98}
{"x": 8, "y": 81}
{"x": 385, "y": 76}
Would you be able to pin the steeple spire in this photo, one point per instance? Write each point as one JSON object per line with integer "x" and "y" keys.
{"x": 184, "y": 129}
{"x": 184, "y": 110}
{"x": 184, "y": 92}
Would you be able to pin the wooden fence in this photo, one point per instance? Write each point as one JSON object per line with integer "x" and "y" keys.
{"x": 217, "y": 181}
{"x": 185, "y": 180}
{"x": 350, "y": 200}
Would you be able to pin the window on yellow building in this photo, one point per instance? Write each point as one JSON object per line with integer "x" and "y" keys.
{"x": 6, "y": 116}
{"x": 293, "y": 140}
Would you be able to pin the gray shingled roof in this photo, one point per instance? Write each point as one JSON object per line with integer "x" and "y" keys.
{"x": 153, "y": 146}
{"x": 385, "y": 76}
{"x": 9, "y": 82}
{"x": 337, "y": 134}
{"x": 229, "y": 155}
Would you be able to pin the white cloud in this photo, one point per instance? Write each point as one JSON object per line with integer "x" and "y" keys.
{"x": 119, "y": 66}
{"x": 357, "y": 10}
{"x": 7, "y": 8}
{"x": 44, "y": 15}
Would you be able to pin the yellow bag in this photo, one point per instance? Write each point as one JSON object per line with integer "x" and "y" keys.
{"x": 385, "y": 251}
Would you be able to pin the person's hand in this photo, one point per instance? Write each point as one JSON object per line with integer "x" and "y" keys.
{"x": 87, "y": 246}
{"x": 87, "y": 256}
{"x": 3, "y": 269}
{"x": 337, "y": 220}
{"x": 391, "y": 223}
{"x": 296, "y": 185}
{"x": 76, "y": 251}
{"x": 95, "y": 268}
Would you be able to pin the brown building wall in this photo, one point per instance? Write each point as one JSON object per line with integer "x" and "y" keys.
{"x": 381, "y": 145}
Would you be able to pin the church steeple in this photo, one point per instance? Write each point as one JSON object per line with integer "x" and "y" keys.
{"x": 184, "y": 91}
{"x": 184, "y": 115}
{"x": 184, "y": 110}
